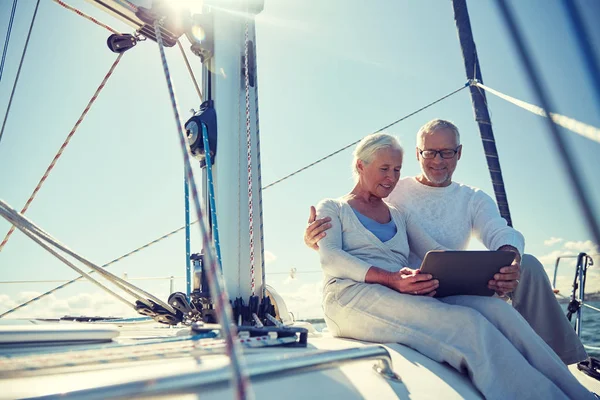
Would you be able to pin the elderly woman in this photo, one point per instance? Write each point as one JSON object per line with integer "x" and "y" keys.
{"x": 370, "y": 295}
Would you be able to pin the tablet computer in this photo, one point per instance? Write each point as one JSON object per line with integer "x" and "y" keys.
{"x": 465, "y": 272}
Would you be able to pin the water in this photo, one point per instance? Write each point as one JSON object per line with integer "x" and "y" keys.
{"x": 590, "y": 333}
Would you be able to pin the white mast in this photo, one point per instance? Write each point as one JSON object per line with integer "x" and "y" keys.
{"x": 224, "y": 81}
{"x": 228, "y": 90}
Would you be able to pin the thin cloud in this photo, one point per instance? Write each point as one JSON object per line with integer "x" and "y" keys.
{"x": 586, "y": 246}
{"x": 304, "y": 300}
{"x": 269, "y": 257}
{"x": 552, "y": 241}
{"x": 89, "y": 304}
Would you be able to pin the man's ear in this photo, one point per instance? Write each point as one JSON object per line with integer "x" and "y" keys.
{"x": 459, "y": 152}
{"x": 417, "y": 153}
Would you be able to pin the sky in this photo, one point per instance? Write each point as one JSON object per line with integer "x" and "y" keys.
{"x": 329, "y": 73}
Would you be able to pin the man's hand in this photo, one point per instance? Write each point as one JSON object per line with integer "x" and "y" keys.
{"x": 315, "y": 230}
{"x": 507, "y": 280}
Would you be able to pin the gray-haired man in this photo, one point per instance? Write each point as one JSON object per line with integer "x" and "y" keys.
{"x": 451, "y": 213}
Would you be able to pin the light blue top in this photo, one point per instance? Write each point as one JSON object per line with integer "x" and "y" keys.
{"x": 383, "y": 232}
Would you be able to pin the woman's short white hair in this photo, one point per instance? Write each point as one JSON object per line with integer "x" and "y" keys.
{"x": 433, "y": 126}
{"x": 369, "y": 145}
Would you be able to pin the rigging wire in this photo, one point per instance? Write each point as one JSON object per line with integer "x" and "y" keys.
{"x": 196, "y": 221}
{"x": 559, "y": 142}
{"x": 377, "y": 131}
{"x": 12, "y": 216}
{"x": 23, "y": 222}
{"x": 82, "y": 14}
{"x": 583, "y": 38}
{"x": 215, "y": 278}
{"x": 7, "y": 40}
{"x": 189, "y": 68}
{"x": 12, "y": 94}
{"x": 64, "y": 145}
{"x": 583, "y": 129}
{"x": 92, "y": 271}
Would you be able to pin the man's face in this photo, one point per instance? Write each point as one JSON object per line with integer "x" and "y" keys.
{"x": 438, "y": 171}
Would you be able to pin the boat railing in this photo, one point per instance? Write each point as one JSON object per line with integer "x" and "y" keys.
{"x": 280, "y": 365}
{"x": 577, "y": 302}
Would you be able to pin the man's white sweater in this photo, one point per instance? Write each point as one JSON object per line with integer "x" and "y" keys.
{"x": 452, "y": 214}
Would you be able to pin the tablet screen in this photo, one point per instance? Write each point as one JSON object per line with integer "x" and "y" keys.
{"x": 465, "y": 272}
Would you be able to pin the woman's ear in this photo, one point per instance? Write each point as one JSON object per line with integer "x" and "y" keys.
{"x": 360, "y": 165}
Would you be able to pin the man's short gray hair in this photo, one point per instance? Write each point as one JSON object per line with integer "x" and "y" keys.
{"x": 433, "y": 126}
{"x": 369, "y": 145}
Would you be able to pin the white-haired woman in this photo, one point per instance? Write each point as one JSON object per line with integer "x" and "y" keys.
{"x": 370, "y": 295}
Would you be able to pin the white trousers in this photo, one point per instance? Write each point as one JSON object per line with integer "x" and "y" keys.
{"x": 536, "y": 302}
{"x": 480, "y": 336}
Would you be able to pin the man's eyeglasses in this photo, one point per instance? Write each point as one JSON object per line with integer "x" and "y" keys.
{"x": 446, "y": 153}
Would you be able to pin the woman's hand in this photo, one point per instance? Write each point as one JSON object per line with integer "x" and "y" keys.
{"x": 409, "y": 281}
{"x": 315, "y": 230}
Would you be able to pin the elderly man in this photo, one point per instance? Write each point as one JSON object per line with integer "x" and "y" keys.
{"x": 451, "y": 213}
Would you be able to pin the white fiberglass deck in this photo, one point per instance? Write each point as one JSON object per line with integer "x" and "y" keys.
{"x": 327, "y": 368}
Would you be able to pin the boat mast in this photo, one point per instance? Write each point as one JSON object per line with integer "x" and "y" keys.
{"x": 482, "y": 116}
{"x": 225, "y": 85}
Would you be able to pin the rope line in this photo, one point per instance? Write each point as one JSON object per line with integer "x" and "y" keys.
{"x": 145, "y": 278}
{"x": 128, "y": 5}
{"x": 23, "y": 222}
{"x": 63, "y": 146}
{"x": 12, "y": 216}
{"x": 588, "y": 53}
{"x": 7, "y": 40}
{"x": 211, "y": 194}
{"x": 215, "y": 278}
{"x": 260, "y": 189}
{"x": 82, "y": 14}
{"x": 196, "y": 221}
{"x": 585, "y": 130}
{"x": 28, "y": 227}
{"x": 12, "y": 94}
{"x": 249, "y": 159}
{"x": 189, "y": 68}
{"x": 377, "y": 131}
{"x": 560, "y": 143}
{"x": 91, "y": 272}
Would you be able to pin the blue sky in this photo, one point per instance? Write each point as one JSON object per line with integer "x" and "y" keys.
{"x": 329, "y": 72}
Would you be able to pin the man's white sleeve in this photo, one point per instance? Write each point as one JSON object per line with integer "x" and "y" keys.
{"x": 490, "y": 227}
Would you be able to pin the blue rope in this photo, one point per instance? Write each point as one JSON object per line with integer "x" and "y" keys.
{"x": 188, "y": 265}
{"x": 211, "y": 194}
{"x": 10, "y": 23}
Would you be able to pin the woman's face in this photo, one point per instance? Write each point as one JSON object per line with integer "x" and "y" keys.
{"x": 379, "y": 177}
